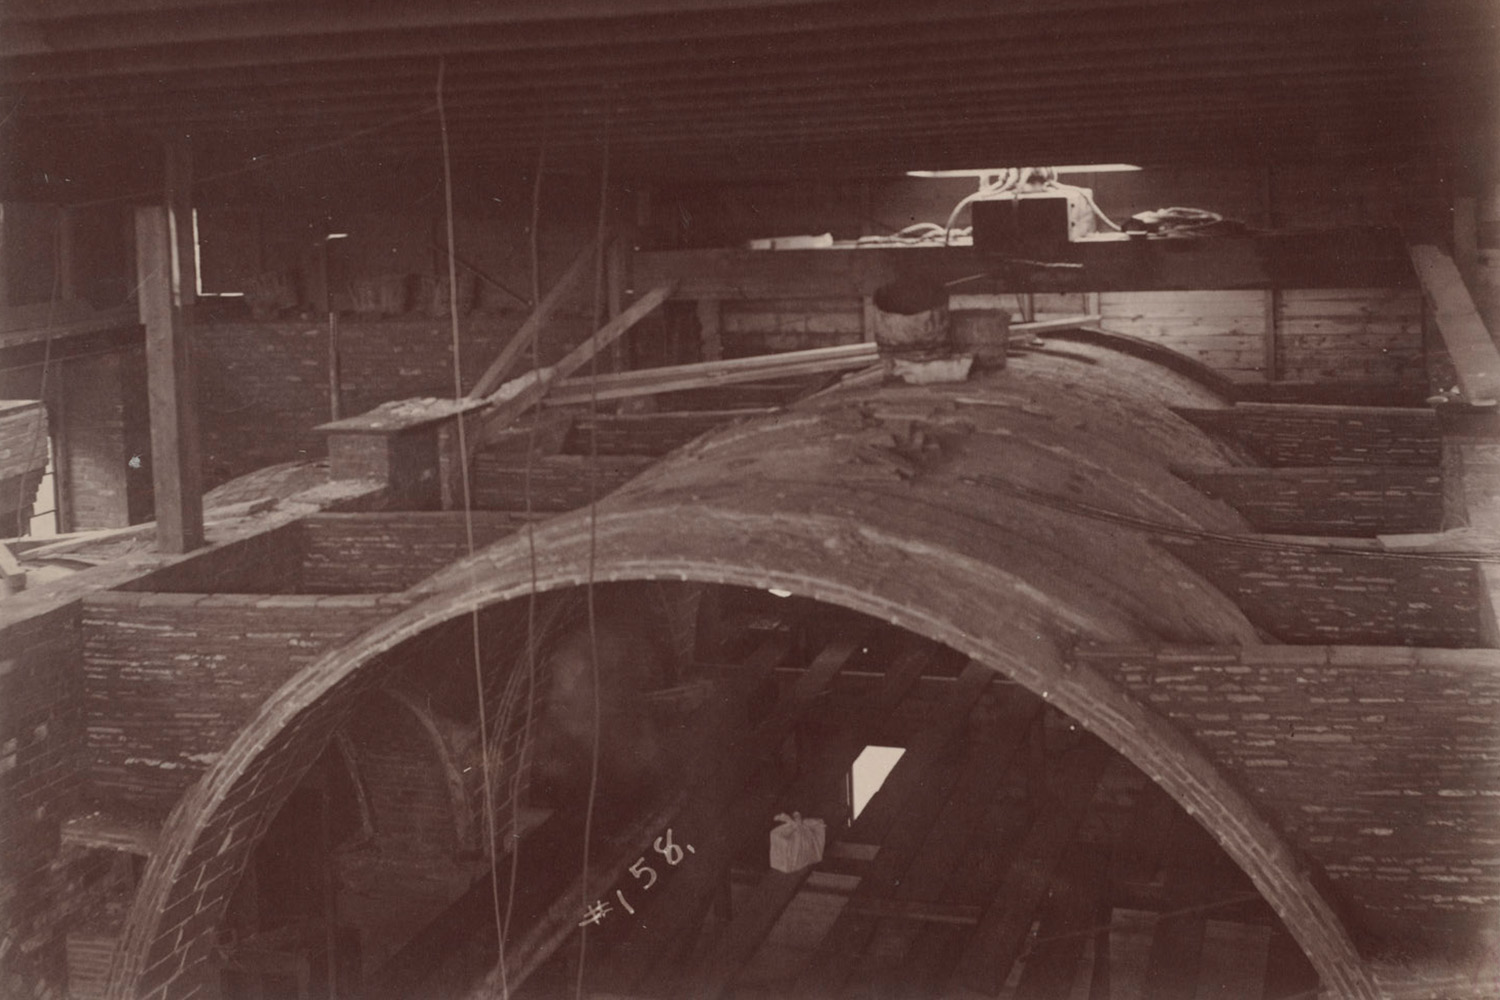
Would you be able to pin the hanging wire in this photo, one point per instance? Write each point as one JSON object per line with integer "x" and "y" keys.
{"x": 463, "y": 464}
{"x": 524, "y": 749}
{"x": 39, "y": 437}
{"x": 599, "y": 258}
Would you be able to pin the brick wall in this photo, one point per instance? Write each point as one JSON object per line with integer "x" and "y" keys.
{"x": 1377, "y": 762}
{"x": 384, "y": 553}
{"x": 557, "y": 482}
{"x": 1343, "y": 500}
{"x": 1284, "y": 434}
{"x": 41, "y": 735}
{"x": 264, "y": 386}
{"x": 1312, "y": 595}
{"x": 405, "y": 779}
{"x": 172, "y": 677}
{"x": 268, "y": 562}
{"x": 642, "y": 433}
{"x": 106, "y": 426}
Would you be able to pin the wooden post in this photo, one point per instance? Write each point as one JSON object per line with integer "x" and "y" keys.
{"x": 1272, "y": 331}
{"x": 67, "y": 255}
{"x": 335, "y": 373}
{"x": 616, "y": 280}
{"x": 712, "y": 344}
{"x": 175, "y": 461}
{"x": 179, "y": 195}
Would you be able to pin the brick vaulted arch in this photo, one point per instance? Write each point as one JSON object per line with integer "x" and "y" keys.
{"x": 913, "y": 506}
{"x": 212, "y": 832}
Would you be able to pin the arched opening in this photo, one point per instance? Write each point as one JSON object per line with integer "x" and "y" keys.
{"x": 1127, "y": 888}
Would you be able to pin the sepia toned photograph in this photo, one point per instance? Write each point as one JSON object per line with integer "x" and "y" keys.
{"x": 749, "y": 499}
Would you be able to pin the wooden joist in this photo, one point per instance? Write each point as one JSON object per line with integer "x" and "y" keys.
{"x": 712, "y": 823}
{"x": 899, "y": 818}
{"x": 495, "y": 374}
{"x": 712, "y": 974}
{"x": 1356, "y": 257}
{"x": 997, "y": 941}
{"x": 708, "y": 374}
{"x": 518, "y": 395}
{"x": 1066, "y": 921}
{"x": 1177, "y": 946}
{"x": 983, "y": 771}
{"x": 1470, "y": 345}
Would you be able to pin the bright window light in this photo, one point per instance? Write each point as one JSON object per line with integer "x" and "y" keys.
{"x": 871, "y": 768}
{"x": 1072, "y": 168}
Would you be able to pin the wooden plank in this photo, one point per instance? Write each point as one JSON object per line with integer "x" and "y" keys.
{"x": 171, "y": 387}
{"x": 708, "y": 374}
{"x": 709, "y": 315}
{"x": 738, "y": 942}
{"x": 1056, "y": 956}
{"x": 676, "y": 919}
{"x": 520, "y": 394}
{"x": 1347, "y": 257}
{"x": 495, "y": 374}
{"x": 950, "y": 722}
{"x": 1037, "y": 326}
{"x": 1469, "y": 343}
{"x": 973, "y": 878}
{"x": 997, "y": 941}
{"x": 899, "y": 817}
{"x": 1270, "y": 363}
{"x": 1177, "y": 943}
{"x": 985, "y": 772}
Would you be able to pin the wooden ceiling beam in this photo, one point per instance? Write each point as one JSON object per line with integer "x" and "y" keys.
{"x": 546, "y": 23}
{"x": 810, "y": 87}
{"x": 995, "y": 127}
{"x": 1253, "y": 27}
{"x": 1040, "y": 39}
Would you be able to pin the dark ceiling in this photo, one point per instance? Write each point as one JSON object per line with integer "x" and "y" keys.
{"x": 701, "y": 89}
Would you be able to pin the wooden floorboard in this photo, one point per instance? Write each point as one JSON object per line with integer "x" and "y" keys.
{"x": 738, "y": 942}
{"x": 1056, "y": 958}
{"x": 998, "y": 939}
{"x": 898, "y": 818}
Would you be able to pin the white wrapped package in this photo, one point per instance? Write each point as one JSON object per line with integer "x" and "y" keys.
{"x": 796, "y": 842}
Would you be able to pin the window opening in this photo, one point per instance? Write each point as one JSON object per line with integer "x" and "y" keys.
{"x": 871, "y": 768}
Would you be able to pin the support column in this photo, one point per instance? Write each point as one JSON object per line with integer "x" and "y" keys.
{"x": 175, "y": 457}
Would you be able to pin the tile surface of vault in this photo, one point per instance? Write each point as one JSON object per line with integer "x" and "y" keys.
{"x": 1052, "y": 522}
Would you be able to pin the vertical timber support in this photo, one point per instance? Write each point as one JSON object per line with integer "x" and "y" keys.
{"x": 175, "y": 461}
{"x": 709, "y": 329}
{"x": 1272, "y": 334}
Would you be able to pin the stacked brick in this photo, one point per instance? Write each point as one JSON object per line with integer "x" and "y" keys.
{"x": 1378, "y": 762}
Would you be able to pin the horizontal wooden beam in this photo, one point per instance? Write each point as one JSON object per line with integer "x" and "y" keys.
{"x": 515, "y": 26}
{"x": 963, "y": 64}
{"x": 1327, "y": 260}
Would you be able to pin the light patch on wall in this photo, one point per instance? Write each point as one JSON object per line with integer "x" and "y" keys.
{"x": 871, "y": 768}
